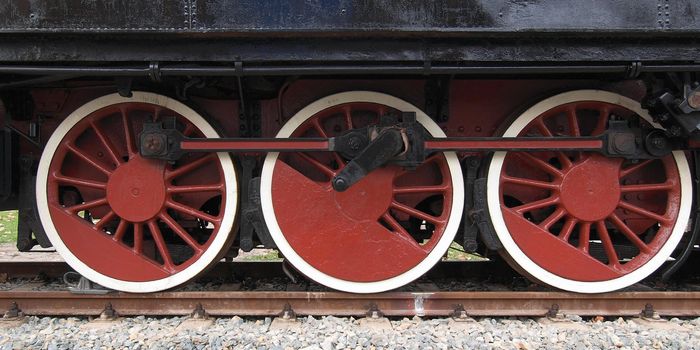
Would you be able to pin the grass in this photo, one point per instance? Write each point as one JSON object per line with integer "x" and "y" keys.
{"x": 8, "y": 226}
{"x": 456, "y": 252}
{"x": 271, "y": 255}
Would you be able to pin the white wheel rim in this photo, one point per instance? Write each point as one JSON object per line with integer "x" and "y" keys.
{"x": 176, "y": 279}
{"x": 333, "y": 282}
{"x": 539, "y": 273}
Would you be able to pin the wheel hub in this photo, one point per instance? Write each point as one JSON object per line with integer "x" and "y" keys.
{"x": 136, "y": 190}
{"x": 590, "y": 190}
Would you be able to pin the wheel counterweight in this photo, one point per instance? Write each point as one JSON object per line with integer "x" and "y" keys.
{"x": 580, "y": 221}
{"x": 126, "y": 222}
{"x": 384, "y": 231}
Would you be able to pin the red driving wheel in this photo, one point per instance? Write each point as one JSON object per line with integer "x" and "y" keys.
{"x": 128, "y": 222}
{"x": 373, "y": 235}
{"x": 582, "y": 221}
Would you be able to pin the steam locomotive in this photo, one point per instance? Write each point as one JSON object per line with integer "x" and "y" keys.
{"x": 146, "y": 141}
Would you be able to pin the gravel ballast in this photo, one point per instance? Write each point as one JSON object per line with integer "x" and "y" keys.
{"x": 346, "y": 333}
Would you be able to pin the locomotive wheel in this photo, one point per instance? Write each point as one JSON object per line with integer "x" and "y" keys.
{"x": 126, "y": 222}
{"x": 579, "y": 221}
{"x": 383, "y": 232}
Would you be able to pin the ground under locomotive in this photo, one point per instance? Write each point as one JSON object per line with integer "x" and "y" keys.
{"x": 147, "y": 147}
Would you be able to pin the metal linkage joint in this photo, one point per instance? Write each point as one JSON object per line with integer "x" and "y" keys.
{"x": 160, "y": 142}
{"x": 388, "y": 143}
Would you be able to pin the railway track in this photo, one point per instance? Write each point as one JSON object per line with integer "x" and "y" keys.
{"x": 430, "y": 301}
{"x": 437, "y": 304}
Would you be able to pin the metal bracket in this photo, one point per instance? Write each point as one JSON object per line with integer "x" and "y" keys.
{"x": 83, "y": 286}
{"x": 480, "y": 216}
{"x": 124, "y": 86}
{"x": 199, "y": 313}
{"x": 288, "y": 313}
{"x": 108, "y": 313}
{"x": 470, "y": 230}
{"x": 253, "y": 219}
{"x": 14, "y": 312}
{"x": 373, "y": 312}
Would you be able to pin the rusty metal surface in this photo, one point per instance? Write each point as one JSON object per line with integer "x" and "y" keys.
{"x": 343, "y": 304}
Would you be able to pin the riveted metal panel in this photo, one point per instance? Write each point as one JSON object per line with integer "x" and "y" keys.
{"x": 93, "y": 15}
{"x": 350, "y": 17}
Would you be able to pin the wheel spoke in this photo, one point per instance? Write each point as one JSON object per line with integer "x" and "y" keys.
{"x": 529, "y": 182}
{"x": 641, "y": 211}
{"x": 105, "y": 220}
{"x": 563, "y": 158}
{"x": 552, "y": 218}
{"x": 78, "y": 182}
{"x": 604, "y": 115}
{"x": 567, "y": 229}
{"x": 347, "y": 113}
{"x": 316, "y": 123}
{"x": 106, "y": 143}
{"x": 584, "y": 236}
{"x": 160, "y": 245}
{"x": 128, "y": 133}
{"x": 539, "y": 163}
{"x": 180, "y": 231}
{"x": 318, "y": 165}
{"x": 191, "y": 211}
{"x": 189, "y": 129}
{"x": 191, "y": 166}
{"x": 664, "y": 186}
{"x": 415, "y": 212}
{"x": 539, "y": 204}
{"x": 422, "y": 189}
{"x": 607, "y": 244}
{"x": 88, "y": 159}
{"x": 138, "y": 238}
{"x": 121, "y": 230}
{"x": 400, "y": 230}
{"x": 629, "y": 233}
{"x": 633, "y": 168}
{"x": 156, "y": 112}
{"x": 87, "y": 205}
{"x": 219, "y": 187}
{"x": 573, "y": 121}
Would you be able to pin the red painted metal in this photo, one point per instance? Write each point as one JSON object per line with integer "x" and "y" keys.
{"x": 434, "y": 145}
{"x": 357, "y": 235}
{"x": 557, "y": 204}
{"x": 253, "y": 145}
{"x": 131, "y": 208}
{"x": 474, "y": 144}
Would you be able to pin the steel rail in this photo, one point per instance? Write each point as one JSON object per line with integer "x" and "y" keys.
{"x": 439, "y": 304}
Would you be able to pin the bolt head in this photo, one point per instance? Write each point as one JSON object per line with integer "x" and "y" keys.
{"x": 694, "y": 100}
